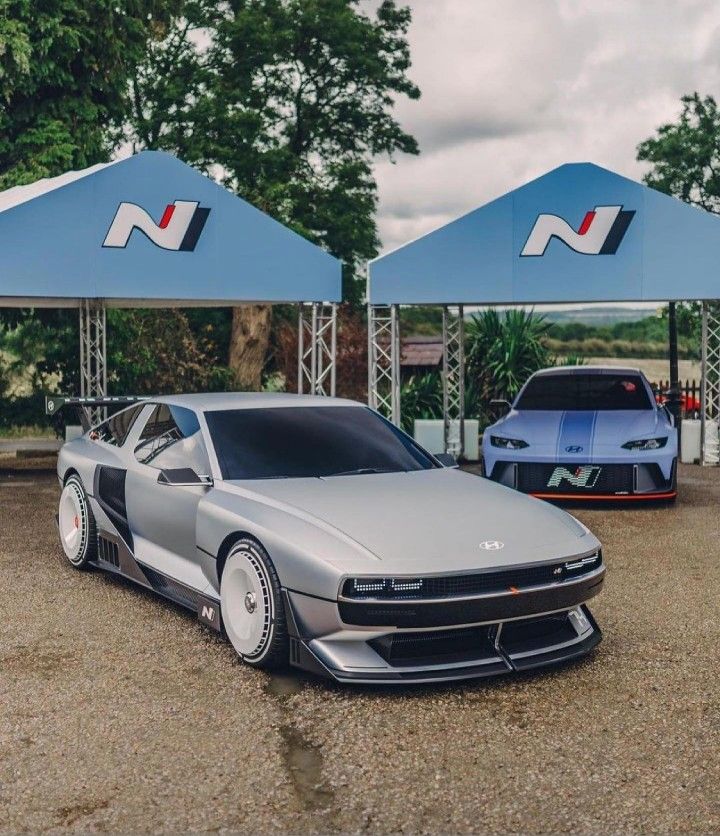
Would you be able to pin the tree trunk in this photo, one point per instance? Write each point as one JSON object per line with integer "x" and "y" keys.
{"x": 249, "y": 340}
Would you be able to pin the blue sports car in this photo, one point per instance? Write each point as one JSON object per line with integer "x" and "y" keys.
{"x": 585, "y": 432}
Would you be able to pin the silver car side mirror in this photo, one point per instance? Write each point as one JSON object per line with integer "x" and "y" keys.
{"x": 183, "y": 477}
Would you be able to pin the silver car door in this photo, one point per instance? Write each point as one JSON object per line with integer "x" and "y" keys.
{"x": 163, "y": 516}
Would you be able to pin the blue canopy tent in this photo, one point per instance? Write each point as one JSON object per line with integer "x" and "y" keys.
{"x": 579, "y": 233}
{"x": 150, "y": 231}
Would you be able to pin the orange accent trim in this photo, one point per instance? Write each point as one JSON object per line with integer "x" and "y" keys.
{"x": 607, "y": 496}
{"x": 514, "y": 590}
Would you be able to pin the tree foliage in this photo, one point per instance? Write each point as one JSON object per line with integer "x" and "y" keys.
{"x": 64, "y": 68}
{"x": 288, "y": 102}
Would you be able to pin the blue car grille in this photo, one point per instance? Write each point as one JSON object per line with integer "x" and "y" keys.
{"x": 575, "y": 478}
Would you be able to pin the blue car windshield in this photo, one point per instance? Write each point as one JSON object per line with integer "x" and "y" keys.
{"x": 575, "y": 392}
{"x": 307, "y": 441}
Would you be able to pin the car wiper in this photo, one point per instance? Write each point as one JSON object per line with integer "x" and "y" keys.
{"x": 359, "y": 470}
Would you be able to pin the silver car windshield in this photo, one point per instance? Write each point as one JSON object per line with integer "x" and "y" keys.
{"x": 308, "y": 441}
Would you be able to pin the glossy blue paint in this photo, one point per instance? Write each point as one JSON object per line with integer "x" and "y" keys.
{"x": 669, "y": 250}
{"x": 52, "y": 245}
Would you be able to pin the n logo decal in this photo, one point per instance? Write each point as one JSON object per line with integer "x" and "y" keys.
{"x": 600, "y": 233}
{"x": 179, "y": 229}
{"x": 582, "y": 477}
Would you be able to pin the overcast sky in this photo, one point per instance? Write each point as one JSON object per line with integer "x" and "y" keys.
{"x": 512, "y": 88}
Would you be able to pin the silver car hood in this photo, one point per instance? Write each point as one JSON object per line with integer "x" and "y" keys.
{"x": 428, "y": 520}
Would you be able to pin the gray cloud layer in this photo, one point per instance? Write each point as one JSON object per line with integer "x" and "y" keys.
{"x": 514, "y": 88}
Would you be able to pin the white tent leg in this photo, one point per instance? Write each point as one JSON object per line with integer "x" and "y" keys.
{"x": 384, "y": 360}
{"x": 454, "y": 381}
{"x": 93, "y": 354}
{"x": 317, "y": 348}
{"x": 710, "y": 392}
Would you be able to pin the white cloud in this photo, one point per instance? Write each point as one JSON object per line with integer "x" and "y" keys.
{"x": 512, "y": 89}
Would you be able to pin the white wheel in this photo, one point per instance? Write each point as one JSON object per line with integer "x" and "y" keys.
{"x": 252, "y": 611}
{"x": 76, "y": 524}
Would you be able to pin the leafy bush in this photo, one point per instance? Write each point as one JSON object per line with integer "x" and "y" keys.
{"x": 421, "y": 397}
{"x": 502, "y": 351}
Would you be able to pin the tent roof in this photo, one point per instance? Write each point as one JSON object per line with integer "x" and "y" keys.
{"x": 150, "y": 230}
{"x": 611, "y": 240}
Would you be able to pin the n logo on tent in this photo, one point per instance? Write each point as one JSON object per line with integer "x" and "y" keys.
{"x": 179, "y": 229}
{"x": 600, "y": 233}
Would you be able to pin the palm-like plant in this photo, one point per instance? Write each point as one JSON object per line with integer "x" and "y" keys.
{"x": 502, "y": 352}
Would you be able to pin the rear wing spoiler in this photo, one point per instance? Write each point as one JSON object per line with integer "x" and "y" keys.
{"x": 82, "y": 406}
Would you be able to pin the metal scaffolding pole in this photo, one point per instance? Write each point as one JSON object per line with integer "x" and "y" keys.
{"x": 454, "y": 380}
{"x": 384, "y": 360}
{"x": 317, "y": 348}
{"x": 93, "y": 354}
{"x": 710, "y": 392}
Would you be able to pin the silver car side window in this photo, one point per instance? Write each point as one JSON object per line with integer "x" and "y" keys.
{"x": 171, "y": 438}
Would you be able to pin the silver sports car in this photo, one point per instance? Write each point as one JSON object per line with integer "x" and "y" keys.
{"x": 311, "y": 531}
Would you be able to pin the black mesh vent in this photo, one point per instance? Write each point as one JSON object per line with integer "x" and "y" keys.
{"x": 108, "y": 551}
{"x": 442, "y": 646}
{"x": 527, "y": 636}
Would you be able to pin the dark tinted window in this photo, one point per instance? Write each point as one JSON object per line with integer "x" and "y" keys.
{"x": 585, "y": 392}
{"x": 309, "y": 441}
{"x": 115, "y": 430}
{"x": 166, "y": 426}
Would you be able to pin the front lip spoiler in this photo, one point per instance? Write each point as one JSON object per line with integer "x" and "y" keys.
{"x": 305, "y": 658}
{"x": 608, "y": 497}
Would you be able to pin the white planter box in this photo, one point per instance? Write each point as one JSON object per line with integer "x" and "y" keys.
{"x": 429, "y": 433}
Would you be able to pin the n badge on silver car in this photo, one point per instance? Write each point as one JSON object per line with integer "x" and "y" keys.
{"x": 492, "y": 545}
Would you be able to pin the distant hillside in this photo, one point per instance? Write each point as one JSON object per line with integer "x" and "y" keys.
{"x": 598, "y": 316}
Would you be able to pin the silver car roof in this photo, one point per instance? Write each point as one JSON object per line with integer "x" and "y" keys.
{"x": 572, "y": 370}
{"x": 210, "y": 401}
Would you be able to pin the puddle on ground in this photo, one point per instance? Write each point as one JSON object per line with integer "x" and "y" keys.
{"x": 284, "y": 684}
{"x": 304, "y": 764}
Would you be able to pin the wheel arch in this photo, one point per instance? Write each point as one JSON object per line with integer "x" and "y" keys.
{"x": 226, "y": 547}
{"x": 70, "y": 471}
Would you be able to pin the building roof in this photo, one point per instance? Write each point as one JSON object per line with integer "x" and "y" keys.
{"x": 421, "y": 351}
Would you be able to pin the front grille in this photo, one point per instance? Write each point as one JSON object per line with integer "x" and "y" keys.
{"x": 479, "y": 583}
{"x": 446, "y": 612}
{"x": 578, "y": 479}
{"x": 440, "y": 647}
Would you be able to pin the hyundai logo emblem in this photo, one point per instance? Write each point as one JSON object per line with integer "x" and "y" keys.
{"x": 492, "y": 545}
{"x": 574, "y": 448}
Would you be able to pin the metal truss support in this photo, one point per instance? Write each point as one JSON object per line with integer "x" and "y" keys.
{"x": 384, "y": 360}
{"x": 93, "y": 354}
{"x": 710, "y": 394}
{"x": 454, "y": 380}
{"x": 317, "y": 348}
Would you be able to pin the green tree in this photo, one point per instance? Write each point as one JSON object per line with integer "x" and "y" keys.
{"x": 685, "y": 159}
{"x": 64, "y": 70}
{"x": 288, "y": 102}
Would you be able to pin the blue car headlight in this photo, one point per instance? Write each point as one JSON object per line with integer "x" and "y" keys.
{"x": 508, "y": 443}
{"x": 645, "y": 444}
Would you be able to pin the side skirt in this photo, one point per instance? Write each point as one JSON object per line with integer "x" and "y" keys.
{"x": 116, "y": 558}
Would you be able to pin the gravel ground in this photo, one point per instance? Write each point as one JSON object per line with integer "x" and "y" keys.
{"x": 120, "y": 712}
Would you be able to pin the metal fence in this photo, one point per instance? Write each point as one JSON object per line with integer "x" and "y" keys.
{"x": 690, "y": 392}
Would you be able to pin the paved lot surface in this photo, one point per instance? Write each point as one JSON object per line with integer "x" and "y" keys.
{"x": 119, "y": 712}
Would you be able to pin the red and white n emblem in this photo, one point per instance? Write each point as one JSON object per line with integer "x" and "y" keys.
{"x": 179, "y": 228}
{"x": 600, "y": 233}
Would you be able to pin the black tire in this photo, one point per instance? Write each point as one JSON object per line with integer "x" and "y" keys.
{"x": 249, "y": 571}
{"x": 79, "y": 550}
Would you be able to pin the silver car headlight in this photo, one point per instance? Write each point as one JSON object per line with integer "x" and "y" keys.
{"x": 645, "y": 444}
{"x": 508, "y": 443}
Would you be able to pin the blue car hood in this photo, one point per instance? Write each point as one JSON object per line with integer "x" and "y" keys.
{"x": 580, "y": 433}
